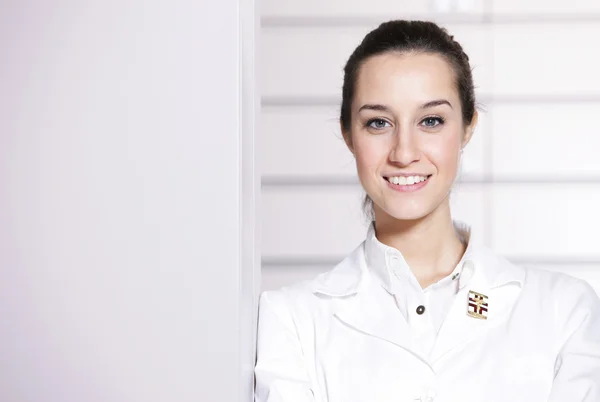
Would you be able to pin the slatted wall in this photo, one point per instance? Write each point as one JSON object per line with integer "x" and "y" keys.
{"x": 530, "y": 183}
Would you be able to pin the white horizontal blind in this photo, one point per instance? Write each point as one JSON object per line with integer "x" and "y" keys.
{"x": 530, "y": 180}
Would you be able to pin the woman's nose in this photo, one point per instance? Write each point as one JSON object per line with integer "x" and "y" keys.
{"x": 405, "y": 149}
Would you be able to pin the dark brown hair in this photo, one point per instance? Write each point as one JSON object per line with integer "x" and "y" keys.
{"x": 409, "y": 37}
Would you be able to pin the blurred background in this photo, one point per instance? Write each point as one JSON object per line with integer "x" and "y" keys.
{"x": 530, "y": 185}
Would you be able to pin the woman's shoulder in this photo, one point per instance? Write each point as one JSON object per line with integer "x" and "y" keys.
{"x": 535, "y": 279}
{"x": 297, "y": 301}
{"x": 567, "y": 303}
{"x": 566, "y": 298}
{"x": 556, "y": 283}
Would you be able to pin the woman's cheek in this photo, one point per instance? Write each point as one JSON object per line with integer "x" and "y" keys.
{"x": 445, "y": 153}
{"x": 369, "y": 159}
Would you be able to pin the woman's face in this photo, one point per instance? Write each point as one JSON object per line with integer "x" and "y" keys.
{"x": 407, "y": 133}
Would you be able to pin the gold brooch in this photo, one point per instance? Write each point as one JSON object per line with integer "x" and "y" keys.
{"x": 478, "y": 305}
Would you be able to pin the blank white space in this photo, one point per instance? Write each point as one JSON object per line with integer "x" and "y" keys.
{"x": 336, "y": 8}
{"x": 546, "y": 59}
{"x": 546, "y": 221}
{"x": 547, "y": 141}
{"x": 552, "y": 7}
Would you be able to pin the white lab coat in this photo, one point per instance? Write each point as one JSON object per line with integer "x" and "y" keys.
{"x": 331, "y": 340}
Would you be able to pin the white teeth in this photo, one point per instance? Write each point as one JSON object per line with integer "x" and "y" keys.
{"x": 406, "y": 180}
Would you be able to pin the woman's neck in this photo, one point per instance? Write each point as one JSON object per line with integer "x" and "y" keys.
{"x": 430, "y": 245}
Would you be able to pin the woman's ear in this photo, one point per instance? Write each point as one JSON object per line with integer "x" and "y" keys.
{"x": 347, "y": 138}
{"x": 470, "y": 129}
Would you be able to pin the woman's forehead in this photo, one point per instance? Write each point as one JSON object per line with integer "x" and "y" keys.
{"x": 403, "y": 77}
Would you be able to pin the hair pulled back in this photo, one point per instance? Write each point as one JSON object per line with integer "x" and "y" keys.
{"x": 409, "y": 37}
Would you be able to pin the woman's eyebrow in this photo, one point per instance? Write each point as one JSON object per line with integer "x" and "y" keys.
{"x": 380, "y": 108}
{"x": 384, "y": 108}
{"x": 436, "y": 102}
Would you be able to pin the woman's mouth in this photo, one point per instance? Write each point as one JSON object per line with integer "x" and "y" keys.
{"x": 407, "y": 183}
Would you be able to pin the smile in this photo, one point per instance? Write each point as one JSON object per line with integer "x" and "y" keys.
{"x": 406, "y": 180}
{"x": 407, "y": 183}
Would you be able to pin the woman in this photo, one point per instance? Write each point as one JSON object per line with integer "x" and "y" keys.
{"x": 420, "y": 311}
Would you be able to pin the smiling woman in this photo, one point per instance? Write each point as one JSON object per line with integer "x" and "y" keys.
{"x": 415, "y": 130}
{"x": 421, "y": 310}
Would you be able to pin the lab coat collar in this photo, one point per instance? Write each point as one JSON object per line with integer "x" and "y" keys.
{"x": 346, "y": 278}
{"x": 362, "y": 265}
{"x": 379, "y": 257}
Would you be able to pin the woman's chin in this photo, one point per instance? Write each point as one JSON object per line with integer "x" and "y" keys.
{"x": 406, "y": 214}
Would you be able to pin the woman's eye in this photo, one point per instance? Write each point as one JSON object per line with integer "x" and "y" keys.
{"x": 432, "y": 121}
{"x": 377, "y": 124}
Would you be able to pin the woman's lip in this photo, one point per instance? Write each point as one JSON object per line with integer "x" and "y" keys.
{"x": 406, "y": 175}
{"x": 408, "y": 187}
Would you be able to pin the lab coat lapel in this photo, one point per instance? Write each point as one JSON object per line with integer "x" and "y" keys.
{"x": 363, "y": 305}
{"x": 459, "y": 328}
{"x": 495, "y": 278}
{"x": 370, "y": 313}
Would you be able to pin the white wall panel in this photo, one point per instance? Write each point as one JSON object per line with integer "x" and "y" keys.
{"x": 276, "y": 276}
{"x": 309, "y": 62}
{"x": 340, "y": 8}
{"x": 468, "y": 203}
{"x": 324, "y": 222}
{"x": 558, "y": 59}
{"x": 386, "y": 9}
{"x": 546, "y": 221}
{"x": 556, "y": 7}
{"x": 127, "y": 180}
{"x": 306, "y": 140}
{"x": 551, "y": 140}
{"x": 315, "y": 221}
{"x": 468, "y": 6}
